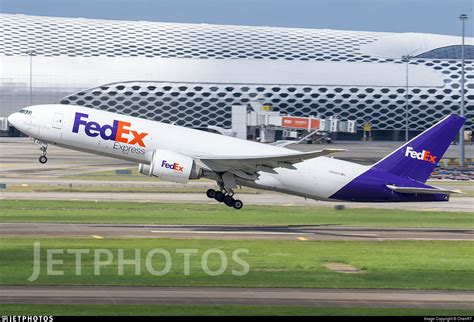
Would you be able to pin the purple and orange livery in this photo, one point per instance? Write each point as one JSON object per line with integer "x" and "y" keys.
{"x": 119, "y": 131}
{"x": 175, "y": 166}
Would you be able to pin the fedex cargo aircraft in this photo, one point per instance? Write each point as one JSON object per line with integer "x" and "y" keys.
{"x": 178, "y": 154}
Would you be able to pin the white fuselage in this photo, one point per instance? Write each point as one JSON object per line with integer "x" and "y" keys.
{"x": 317, "y": 178}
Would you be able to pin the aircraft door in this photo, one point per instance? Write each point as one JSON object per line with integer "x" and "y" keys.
{"x": 56, "y": 130}
{"x": 58, "y": 121}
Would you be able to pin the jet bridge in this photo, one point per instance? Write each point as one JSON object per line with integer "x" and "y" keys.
{"x": 259, "y": 122}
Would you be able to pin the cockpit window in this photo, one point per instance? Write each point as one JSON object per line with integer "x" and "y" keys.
{"x": 24, "y": 111}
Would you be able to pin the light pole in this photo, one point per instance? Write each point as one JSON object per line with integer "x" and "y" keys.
{"x": 406, "y": 58}
{"x": 463, "y": 18}
{"x": 31, "y": 53}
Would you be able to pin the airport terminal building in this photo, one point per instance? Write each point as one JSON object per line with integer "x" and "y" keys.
{"x": 192, "y": 74}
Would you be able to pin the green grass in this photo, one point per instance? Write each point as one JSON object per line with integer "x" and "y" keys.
{"x": 388, "y": 264}
{"x": 221, "y": 310}
{"x": 164, "y": 213}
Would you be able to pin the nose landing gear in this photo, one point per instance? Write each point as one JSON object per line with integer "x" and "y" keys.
{"x": 43, "y": 159}
{"x": 226, "y": 196}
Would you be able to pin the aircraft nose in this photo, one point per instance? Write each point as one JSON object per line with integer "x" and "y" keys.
{"x": 13, "y": 119}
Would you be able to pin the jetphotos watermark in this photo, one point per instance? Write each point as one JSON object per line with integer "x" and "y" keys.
{"x": 27, "y": 318}
{"x": 156, "y": 262}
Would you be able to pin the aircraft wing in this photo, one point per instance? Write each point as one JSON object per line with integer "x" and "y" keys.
{"x": 267, "y": 163}
{"x": 413, "y": 190}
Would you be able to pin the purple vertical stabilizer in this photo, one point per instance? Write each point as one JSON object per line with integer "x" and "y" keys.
{"x": 409, "y": 166}
{"x": 417, "y": 158}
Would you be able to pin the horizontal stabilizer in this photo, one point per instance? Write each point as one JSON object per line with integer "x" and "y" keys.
{"x": 425, "y": 191}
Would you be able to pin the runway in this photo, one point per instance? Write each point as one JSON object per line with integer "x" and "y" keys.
{"x": 231, "y": 232}
{"x": 380, "y": 298}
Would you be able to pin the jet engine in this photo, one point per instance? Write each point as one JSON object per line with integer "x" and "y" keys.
{"x": 171, "y": 166}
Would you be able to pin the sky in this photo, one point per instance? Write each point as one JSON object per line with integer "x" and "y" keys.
{"x": 430, "y": 16}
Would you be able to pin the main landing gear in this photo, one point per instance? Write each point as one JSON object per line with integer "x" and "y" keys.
{"x": 225, "y": 196}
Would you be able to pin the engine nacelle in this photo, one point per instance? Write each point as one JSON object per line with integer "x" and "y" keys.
{"x": 171, "y": 166}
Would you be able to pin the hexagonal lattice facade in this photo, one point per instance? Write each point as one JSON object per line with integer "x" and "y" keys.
{"x": 198, "y": 105}
{"x": 88, "y": 38}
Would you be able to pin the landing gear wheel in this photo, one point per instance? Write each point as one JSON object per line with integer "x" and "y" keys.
{"x": 43, "y": 159}
{"x": 211, "y": 193}
{"x": 238, "y": 204}
{"x": 44, "y": 149}
{"x": 229, "y": 201}
{"x": 219, "y": 196}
